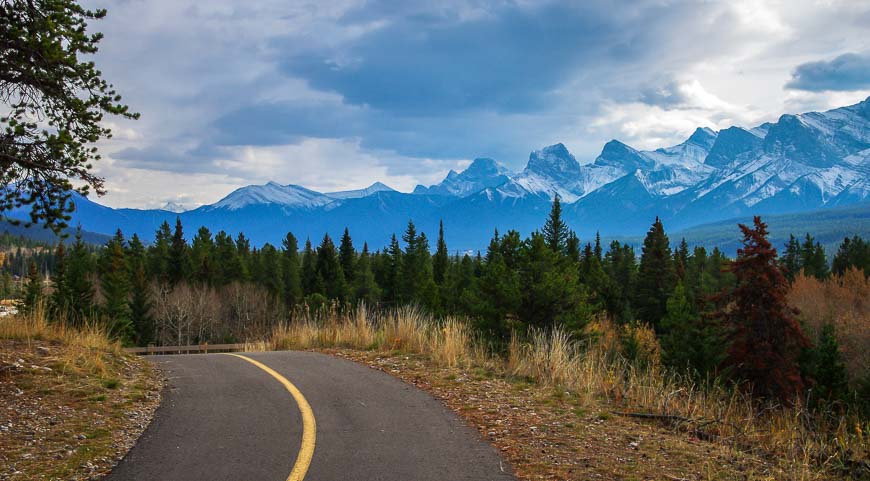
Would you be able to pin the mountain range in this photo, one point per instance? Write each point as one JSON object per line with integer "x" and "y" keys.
{"x": 800, "y": 163}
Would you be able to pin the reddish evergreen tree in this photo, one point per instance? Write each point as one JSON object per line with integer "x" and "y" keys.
{"x": 766, "y": 340}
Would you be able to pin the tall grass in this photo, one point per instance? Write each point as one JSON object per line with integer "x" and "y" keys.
{"x": 597, "y": 371}
{"x": 84, "y": 348}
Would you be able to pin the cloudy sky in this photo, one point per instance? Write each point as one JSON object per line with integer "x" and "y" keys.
{"x": 336, "y": 94}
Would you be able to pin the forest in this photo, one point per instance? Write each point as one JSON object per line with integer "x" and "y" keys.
{"x": 712, "y": 316}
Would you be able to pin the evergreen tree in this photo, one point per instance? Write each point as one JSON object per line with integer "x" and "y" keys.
{"x": 572, "y": 248}
{"x": 440, "y": 260}
{"x": 691, "y": 343}
{"x": 765, "y": 340}
{"x": 311, "y": 282}
{"x": 140, "y": 306}
{"x": 792, "y": 259}
{"x": 347, "y": 256}
{"x": 555, "y": 230}
{"x": 270, "y": 274}
{"x": 158, "y": 253}
{"x": 79, "y": 270}
{"x": 813, "y": 258}
{"x": 202, "y": 257}
{"x": 393, "y": 287}
{"x": 115, "y": 287}
{"x": 681, "y": 260}
{"x": 826, "y": 368}
{"x": 329, "y": 270}
{"x": 179, "y": 259}
{"x": 59, "y": 292}
{"x": 656, "y": 278}
{"x": 243, "y": 252}
{"x": 620, "y": 267}
{"x": 365, "y": 288}
{"x": 292, "y": 275}
{"x": 32, "y": 289}
{"x": 854, "y": 252}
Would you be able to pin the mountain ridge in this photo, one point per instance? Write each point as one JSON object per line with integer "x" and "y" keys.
{"x": 801, "y": 162}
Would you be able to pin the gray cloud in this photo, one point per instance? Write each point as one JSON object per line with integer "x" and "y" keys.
{"x": 850, "y": 71}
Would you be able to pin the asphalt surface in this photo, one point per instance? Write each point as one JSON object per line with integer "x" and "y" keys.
{"x": 223, "y": 418}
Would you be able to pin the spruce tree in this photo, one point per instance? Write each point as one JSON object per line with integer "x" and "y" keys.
{"x": 347, "y": 256}
{"x": 59, "y": 292}
{"x": 179, "y": 258}
{"x": 158, "y": 253}
{"x": 555, "y": 230}
{"x": 330, "y": 271}
{"x": 656, "y": 278}
{"x": 393, "y": 287}
{"x": 140, "y": 307}
{"x": 78, "y": 280}
{"x": 441, "y": 259}
{"x": 32, "y": 289}
{"x": 270, "y": 273}
{"x": 765, "y": 339}
{"x": 813, "y": 258}
{"x": 115, "y": 288}
{"x": 791, "y": 259}
{"x": 202, "y": 257}
{"x": 243, "y": 252}
{"x": 311, "y": 283}
{"x": 691, "y": 342}
{"x": 365, "y": 289}
{"x": 854, "y": 252}
{"x": 292, "y": 275}
{"x": 827, "y": 369}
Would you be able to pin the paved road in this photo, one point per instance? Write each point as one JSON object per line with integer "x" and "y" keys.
{"x": 224, "y": 418}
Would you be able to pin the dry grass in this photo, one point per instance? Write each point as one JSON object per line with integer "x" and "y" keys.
{"x": 71, "y": 403}
{"x": 805, "y": 446}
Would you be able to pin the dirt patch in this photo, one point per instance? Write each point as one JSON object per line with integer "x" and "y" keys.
{"x": 69, "y": 414}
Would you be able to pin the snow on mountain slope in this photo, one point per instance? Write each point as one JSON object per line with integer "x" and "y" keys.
{"x": 358, "y": 193}
{"x": 481, "y": 174}
{"x": 273, "y": 193}
{"x": 173, "y": 207}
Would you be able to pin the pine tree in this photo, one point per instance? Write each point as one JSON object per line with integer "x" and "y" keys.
{"x": 791, "y": 260}
{"x": 656, "y": 278}
{"x": 202, "y": 257}
{"x": 393, "y": 287}
{"x": 555, "y": 230}
{"x": 158, "y": 253}
{"x": 59, "y": 292}
{"x": 826, "y": 368}
{"x": 270, "y": 273}
{"x": 292, "y": 276}
{"x": 347, "y": 256}
{"x": 365, "y": 288}
{"x": 690, "y": 343}
{"x": 440, "y": 260}
{"x": 311, "y": 282}
{"x": 330, "y": 271}
{"x": 32, "y": 289}
{"x": 179, "y": 258}
{"x": 79, "y": 270}
{"x": 813, "y": 258}
{"x": 243, "y": 253}
{"x": 115, "y": 287}
{"x": 765, "y": 339}
{"x": 140, "y": 307}
{"x": 681, "y": 260}
{"x": 854, "y": 252}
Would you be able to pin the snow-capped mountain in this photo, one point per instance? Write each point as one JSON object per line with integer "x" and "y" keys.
{"x": 481, "y": 174}
{"x": 173, "y": 207}
{"x": 799, "y": 163}
{"x": 275, "y": 194}
{"x": 356, "y": 194}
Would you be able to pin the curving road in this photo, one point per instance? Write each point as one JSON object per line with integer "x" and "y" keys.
{"x": 227, "y": 418}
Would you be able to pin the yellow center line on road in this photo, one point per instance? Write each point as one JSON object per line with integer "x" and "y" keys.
{"x": 309, "y": 427}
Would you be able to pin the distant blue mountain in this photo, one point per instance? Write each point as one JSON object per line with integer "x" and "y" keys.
{"x": 800, "y": 163}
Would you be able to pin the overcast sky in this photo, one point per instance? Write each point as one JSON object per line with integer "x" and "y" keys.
{"x": 335, "y": 95}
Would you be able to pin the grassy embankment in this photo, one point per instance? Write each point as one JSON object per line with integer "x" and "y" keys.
{"x": 71, "y": 402}
{"x": 562, "y": 409}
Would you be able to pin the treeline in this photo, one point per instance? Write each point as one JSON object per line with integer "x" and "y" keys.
{"x": 216, "y": 287}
